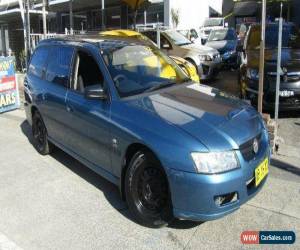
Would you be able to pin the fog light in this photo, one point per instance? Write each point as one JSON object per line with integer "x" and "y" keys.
{"x": 222, "y": 200}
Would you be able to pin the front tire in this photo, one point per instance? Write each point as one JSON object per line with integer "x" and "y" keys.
{"x": 40, "y": 136}
{"x": 147, "y": 191}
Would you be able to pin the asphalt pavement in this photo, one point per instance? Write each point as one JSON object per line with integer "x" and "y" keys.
{"x": 54, "y": 202}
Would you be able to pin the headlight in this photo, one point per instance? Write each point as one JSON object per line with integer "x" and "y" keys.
{"x": 205, "y": 58}
{"x": 229, "y": 53}
{"x": 215, "y": 162}
{"x": 253, "y": 74}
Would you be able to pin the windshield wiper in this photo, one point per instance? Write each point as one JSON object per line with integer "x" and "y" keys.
{"x": 159, "y": 86}
{"x": 182, "y": 44}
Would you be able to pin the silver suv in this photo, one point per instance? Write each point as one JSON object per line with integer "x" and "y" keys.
{"x": 207, "y": 60}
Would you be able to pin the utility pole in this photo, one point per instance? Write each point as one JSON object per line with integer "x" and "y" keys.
{"x": 44, "y": 19}
{"x": 71, "y": 16}
{"x": 262, "y": 57}
{"x": 279, "y": 70}
{"x": 27, "y": 24}
{"x": 102, "y": 15}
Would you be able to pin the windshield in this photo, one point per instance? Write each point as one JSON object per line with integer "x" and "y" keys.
{"x": 136, "y": 69}
{"x": 213, "y": 22}
{"x": 177, "y": 38}
{"x": 222, "y": 34}
{"x": 290, "y": 37}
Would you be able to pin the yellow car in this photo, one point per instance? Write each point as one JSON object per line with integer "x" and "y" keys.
{"x": 187, "y": 67}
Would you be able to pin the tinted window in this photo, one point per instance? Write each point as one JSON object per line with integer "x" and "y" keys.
{"x": 38, "y": 61}
{"x": 59, "y": 64}
{"x": 152, "y": 35}
{"x": 290, "y": 37}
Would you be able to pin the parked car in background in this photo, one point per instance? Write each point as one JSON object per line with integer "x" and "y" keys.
{"x": 191, "y": 34}
{"x": 208, "y": 25}
{"x": 187, "y": 67}
{"x": 226, "y": 42}
{"x": 207, "y": 60}
{"x": 290, "y": 67}
{"x": 174, "y": 148}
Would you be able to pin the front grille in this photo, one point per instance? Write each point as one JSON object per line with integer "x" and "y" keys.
{"x": 246, "y": 148}
{"x": 288, "y": 78}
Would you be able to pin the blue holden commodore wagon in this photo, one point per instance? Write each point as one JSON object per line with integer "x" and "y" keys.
{"x": 175, "y": 148}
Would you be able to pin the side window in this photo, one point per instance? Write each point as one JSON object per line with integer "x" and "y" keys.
{"x": 164, "y": 42}
{"x": 194, "y": 33}
{"x": 87, "y": 72}
{"x": 38, "y": 62}
{"x": 151, "y": 35}
{"x": 59, "y": 65}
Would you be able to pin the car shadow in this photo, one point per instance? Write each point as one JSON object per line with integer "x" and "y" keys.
{"x": 285, "y": 166}
{"x": 110, "y": 191}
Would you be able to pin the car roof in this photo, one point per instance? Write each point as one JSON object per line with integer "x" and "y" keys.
{"x": 102, "y": 41}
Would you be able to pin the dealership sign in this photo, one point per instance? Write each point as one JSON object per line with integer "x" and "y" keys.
{"x": 9, "y": 93}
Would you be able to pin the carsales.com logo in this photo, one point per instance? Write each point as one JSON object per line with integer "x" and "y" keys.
{"x": 268, "y": 237}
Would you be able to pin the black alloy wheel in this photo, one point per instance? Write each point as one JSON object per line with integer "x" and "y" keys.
{"x": 147, "y": 191}
{"x": 40, "y": 136}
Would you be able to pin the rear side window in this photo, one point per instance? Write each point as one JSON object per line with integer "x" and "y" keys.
{"x": 38, "y": 62}
{"x": 59, "y": 65}
{"x": 152, "y": 35}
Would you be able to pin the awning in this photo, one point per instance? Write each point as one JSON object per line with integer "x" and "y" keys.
{"x": 248, "y": 8}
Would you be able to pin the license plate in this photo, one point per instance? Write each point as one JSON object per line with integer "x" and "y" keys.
{"x": 286, "y": 93}
{"x": 261, "y": 171}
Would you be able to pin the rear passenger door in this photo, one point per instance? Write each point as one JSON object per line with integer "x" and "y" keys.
{"x": 57, "y": 79}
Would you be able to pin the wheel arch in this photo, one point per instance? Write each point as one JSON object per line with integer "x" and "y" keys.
{"x": 33, "y": 110}
{"x": 131, "y": 150}
{"x": 192, "y": 61}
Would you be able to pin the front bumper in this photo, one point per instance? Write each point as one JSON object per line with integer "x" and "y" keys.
{"x": 193, "y": 195}
{"x": 209, "y": 70}
{"x": 285, "y": 103}
{"x": 230, "y": 60}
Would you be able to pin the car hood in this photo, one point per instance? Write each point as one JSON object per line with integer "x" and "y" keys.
{"x": 217, "y": 120}
{"x": 201, "y": 49}
{"x": 222, "y": 46}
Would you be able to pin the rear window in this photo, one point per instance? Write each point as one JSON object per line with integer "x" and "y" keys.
{"x": 290, "y": 37}
{"x": 38, "y": 62}
{"x": 59, "y": 65}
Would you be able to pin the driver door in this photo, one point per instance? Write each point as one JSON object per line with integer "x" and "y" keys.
{"x": 90, "y": 119}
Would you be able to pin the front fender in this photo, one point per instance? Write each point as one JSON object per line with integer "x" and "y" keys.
{"x": 170, "y": 144}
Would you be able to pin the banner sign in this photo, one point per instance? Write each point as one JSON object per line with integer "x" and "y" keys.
{"x": 9, "y": 92}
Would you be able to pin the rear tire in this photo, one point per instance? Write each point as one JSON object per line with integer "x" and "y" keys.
{"x": 40, "y": 135}
{"x": 147, "y": 191}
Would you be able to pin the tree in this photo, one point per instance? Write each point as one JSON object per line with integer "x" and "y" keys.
{"x": 134, "y": 5}
{"x": 175, "y": 17}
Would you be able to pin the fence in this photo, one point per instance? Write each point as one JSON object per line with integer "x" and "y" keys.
{"x": 37, "y": 37}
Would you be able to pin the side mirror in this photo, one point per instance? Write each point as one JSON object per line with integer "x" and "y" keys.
{"x": 95, "y": 92}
